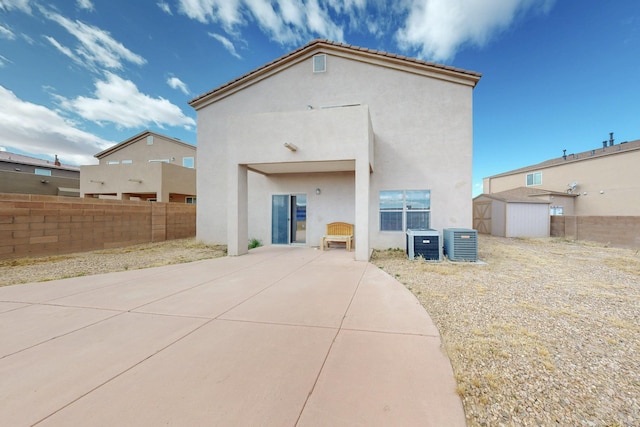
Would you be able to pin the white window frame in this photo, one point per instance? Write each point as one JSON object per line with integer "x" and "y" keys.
{"x": 127, "y": 162}
{"x": 556, "y": 210}
{"x": 405, "y": 209}
{"x": 42, "y": 172}
{"x": 190, "y": 200}
{"x": 159, "y": 161}
{"x": 536, "y": 179}
{"x": 316, "y": 63}
{"x": 192, "y": 160}
{"x": 113, "y": 162}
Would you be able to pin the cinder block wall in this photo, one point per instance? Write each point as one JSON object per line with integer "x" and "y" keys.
{"x": 618, "y": 231}
{"x": 37, "y": 225}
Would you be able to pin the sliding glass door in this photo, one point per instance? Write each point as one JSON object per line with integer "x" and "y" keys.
{"x": 288, "y": 219}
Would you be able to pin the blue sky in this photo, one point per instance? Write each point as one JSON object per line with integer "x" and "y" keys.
{"x": 77, "y": 76}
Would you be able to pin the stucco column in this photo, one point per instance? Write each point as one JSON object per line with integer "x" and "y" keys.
{"x": 237, "y": 211}
{"x": 362, "y": 210}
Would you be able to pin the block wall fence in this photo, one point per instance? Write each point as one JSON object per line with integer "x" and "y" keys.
{"x": 37, "y": 225}
{"x": 618, "y": 231}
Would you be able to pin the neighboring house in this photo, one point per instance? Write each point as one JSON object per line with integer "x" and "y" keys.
{"x": 28, "y": 175}
{"x": 332, "y": 132}
{"x": 148, "y": 166}
{"x": 599, "y": 182}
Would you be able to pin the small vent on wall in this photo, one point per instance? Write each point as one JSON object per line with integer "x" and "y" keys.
{"x": 319, "y": 63}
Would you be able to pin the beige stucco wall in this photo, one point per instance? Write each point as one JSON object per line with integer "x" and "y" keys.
{"x": 336, "y": 201}
{"x": 421, "y": 126}
{"x": 140, "y": 151}
{"x": 608, "y": 185}
{"x": 137, "y": 178}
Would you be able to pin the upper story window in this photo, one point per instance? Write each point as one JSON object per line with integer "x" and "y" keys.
{"x": 188, "y": 162}
{"x": 43, "y": 172}
{"x": 113, "y": 162}
{"x": 127, "y": 162}
{"x": 159, "y": 161}
{"x": 404, "y": 209}
{"x": 319, "y": 63}
{"x": 150, "y": 140}
{"x": 534, "y": 178}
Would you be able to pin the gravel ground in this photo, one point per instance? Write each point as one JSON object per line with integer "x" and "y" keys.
{"x": 546, "y": 332}
{"x": 105, "y": 261}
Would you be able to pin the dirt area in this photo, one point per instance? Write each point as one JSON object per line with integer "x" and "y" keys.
{"x": 544, "y": 332}
{"x": 547, "y": 332}
{"x": 146, "y": 255}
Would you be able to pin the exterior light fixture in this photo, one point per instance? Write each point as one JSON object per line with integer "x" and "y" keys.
{"x": 290, "y": 146}
{"x": 44, "y": 181}
{"x": 97, "y": 182}
{"x": 318, "y": 191}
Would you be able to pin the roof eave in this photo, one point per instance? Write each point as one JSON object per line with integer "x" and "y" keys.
{"x": 458, "y": 75}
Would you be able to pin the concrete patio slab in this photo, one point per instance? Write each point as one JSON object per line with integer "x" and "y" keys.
{"x": 282, "y": 336}
{"x": 41, "y": 380}
{"x": 381, "y": 304}
{"x": 226, "y": 373}
{"x": 377, "y": 379}
{"x": 9, "y": 306}
{"x": 40, "y": 323}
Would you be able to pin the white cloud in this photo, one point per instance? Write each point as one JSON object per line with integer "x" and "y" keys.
{"x": 226, "y": 43}
{"x": 4, "y": 60}
{"x": 63, "y": 49}
{"x": 33, "y": 128}
{"x": 176, "y": 83}
{"x": 85, "y": 4}
{"x": 119, "y": 101}
{"x": 6, "y": 33}
{"x": 438, "y": 28}
{"x": 164, "y": 6}
{"x": 22, "y": 5}
{"x": 430, "y": 29}
{"x": 96, "y": 48}
{"x": 319, "y": 22}
{"x": 285, "y": 21}
{"x": 225, "y": 12}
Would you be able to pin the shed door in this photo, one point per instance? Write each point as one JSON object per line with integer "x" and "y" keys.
{"x": 482, "y": 217}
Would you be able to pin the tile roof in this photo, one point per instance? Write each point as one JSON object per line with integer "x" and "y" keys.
{"x": 7, "y": 156}
{"x": 328, "y": 43}
{"x": 577, "y": 157}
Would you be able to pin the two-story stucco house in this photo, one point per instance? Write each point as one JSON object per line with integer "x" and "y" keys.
{"x": 598, "y": 182}
{"x": 28, "y": 175}
{"x": 332, "y": 132}
{"x": 147, "y": 166}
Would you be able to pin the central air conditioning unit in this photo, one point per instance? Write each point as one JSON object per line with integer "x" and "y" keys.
{"x": 425, "y": 243}
{"x": 461, "y": 244}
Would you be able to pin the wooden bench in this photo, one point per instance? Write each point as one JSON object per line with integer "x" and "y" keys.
{"x": 338, "y": 232}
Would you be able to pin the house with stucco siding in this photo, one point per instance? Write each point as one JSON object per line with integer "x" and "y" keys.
{"x": 148, "y": 166}
{"x": 332, "y": 132}
{"x": 602, "y": 181}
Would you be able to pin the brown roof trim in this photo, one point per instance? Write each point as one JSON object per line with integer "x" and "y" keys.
{"x": 471, "y": 76}
{"x": 136, "y": 138}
